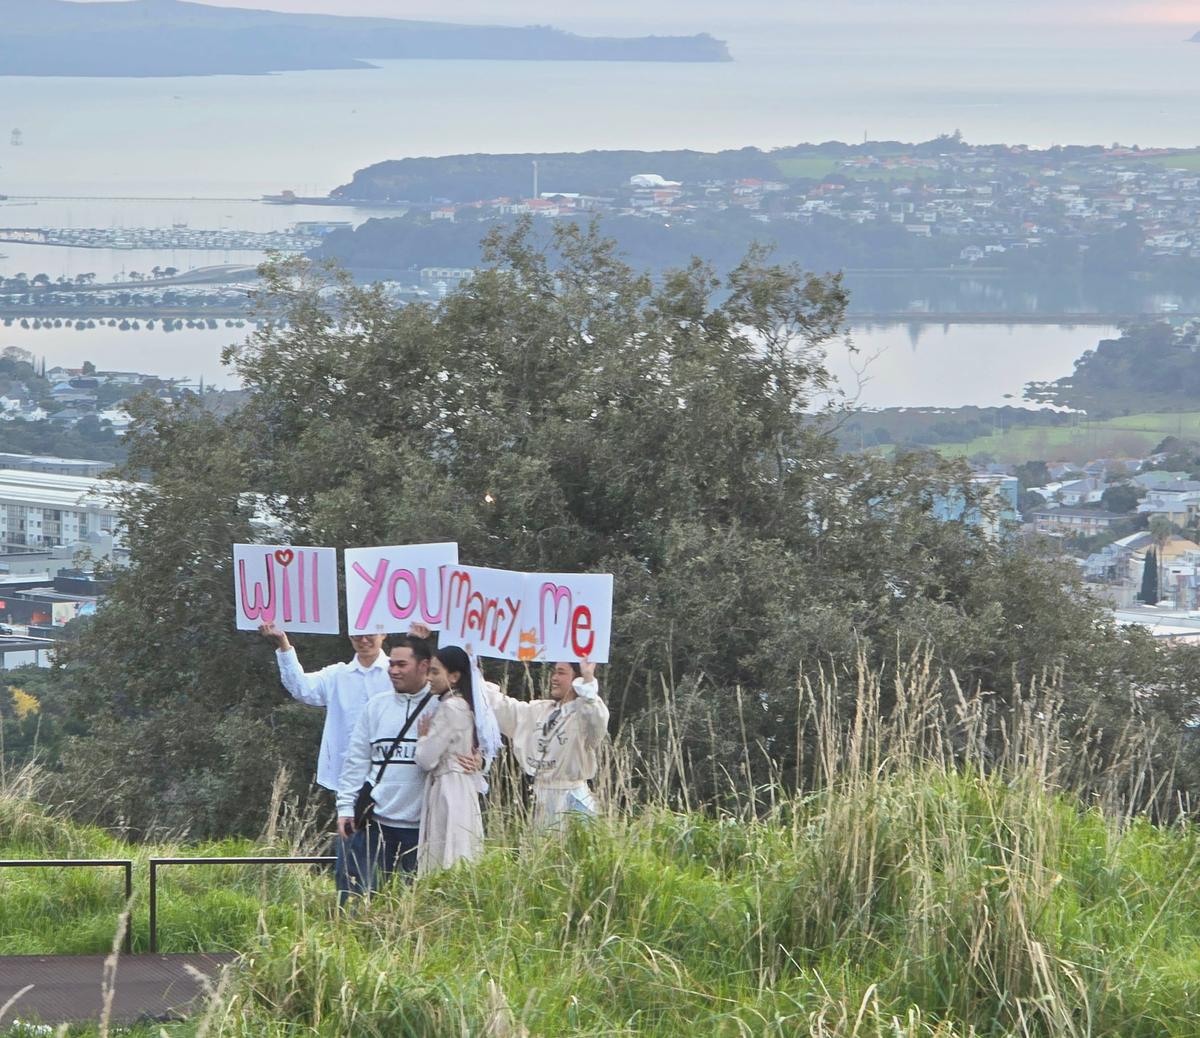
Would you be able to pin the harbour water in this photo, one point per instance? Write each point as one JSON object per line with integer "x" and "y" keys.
{"x": 955, "y": 365}
{"x": 201, "y": 151}
{"x": 800, "y": 80}
{"x": 891, "y": 366}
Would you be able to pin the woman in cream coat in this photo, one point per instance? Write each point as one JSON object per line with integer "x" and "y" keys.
{"x": 451, "y": 821}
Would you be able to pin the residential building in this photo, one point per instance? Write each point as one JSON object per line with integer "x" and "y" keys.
{"x": 61, "y": 466}
{"x": 1074, "y": 522}
{"x": 452, "y": 275}
{"x": 997, "y": 512}
{"x": 1156, "y": 478}
{"x": 1166, "y": 624}
{"x": 40, "y": 509}
{"x": 1178, "y": 501}
{"x": 1080, "y": 492}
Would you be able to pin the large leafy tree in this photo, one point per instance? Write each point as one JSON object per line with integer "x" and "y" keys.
{"x": 560, "y": 411}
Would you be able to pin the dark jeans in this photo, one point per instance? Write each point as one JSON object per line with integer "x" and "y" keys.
{"x": 370, "y": 857}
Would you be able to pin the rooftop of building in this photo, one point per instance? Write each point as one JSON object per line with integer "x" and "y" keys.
{"x": 1084, "y": 513}
{"x": 55, "y": 490}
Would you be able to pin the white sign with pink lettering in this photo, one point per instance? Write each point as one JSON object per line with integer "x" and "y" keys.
{"x": 531, "y": 617}
{"x": 390, "y": 589}
{"x": 503, "y": 614}
{"x": 294, "y": 588}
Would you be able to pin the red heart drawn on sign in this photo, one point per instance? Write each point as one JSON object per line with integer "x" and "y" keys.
{"x": 284, "y": 556}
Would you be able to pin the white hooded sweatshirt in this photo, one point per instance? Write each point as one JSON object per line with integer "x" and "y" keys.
{"x": 399, "y": 793}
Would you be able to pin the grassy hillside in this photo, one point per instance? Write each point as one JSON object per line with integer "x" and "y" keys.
{"x": 910, "y": 897}
{"x": 1130, "y": 435}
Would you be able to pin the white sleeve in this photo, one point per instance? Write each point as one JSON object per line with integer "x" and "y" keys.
{"x": 508, "y": 711}
{"x": 356, "y": 765}
{"x": 313, "y": 689}
{"x": 593, "y": 711}
{"x": 586, "y": 689}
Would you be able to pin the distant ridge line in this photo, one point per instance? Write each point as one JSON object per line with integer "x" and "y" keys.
{"x": 170, "y": 38}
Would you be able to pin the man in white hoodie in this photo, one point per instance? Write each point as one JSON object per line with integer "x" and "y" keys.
{"x": 398, "y": 786}
{"x": 557, "y": 740}
{"x": 341, "y": 690}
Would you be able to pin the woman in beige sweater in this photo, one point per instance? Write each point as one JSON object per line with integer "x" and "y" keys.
{"x": 451, "y": 822}
{"x": 557, "y": 740}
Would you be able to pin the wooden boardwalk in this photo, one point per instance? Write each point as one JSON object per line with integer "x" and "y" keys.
{"x": 69, "y": 988}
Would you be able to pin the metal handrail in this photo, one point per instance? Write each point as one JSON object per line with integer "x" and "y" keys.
{"x": 72, "y": 863}
{"x": 267, "y": 860}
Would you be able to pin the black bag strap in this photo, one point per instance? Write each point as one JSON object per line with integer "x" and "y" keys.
{"x": 402, "y": 733}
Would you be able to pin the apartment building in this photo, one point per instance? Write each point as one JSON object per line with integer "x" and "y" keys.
{"x": 44, "y": 509}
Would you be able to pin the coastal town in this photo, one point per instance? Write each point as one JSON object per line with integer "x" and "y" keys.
{"x": 60, "y": 534}
{"x": 80, "y": 397}
{"x": 954, "y": 207}
{"x": 968, "y": 205}
{"x": 1000, "y": 223}
{"x": 1131, "y": 526}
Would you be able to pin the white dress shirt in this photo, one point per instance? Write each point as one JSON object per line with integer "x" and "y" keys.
{"x": 343, "y": 690}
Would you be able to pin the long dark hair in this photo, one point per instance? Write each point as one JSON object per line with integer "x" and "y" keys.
{"x": 455, "y": 660}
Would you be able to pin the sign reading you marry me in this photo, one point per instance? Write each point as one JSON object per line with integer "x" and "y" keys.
{"x": 501, "y": 614}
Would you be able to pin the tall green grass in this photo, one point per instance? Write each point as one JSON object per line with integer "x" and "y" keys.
{"x": 937, "y": 881}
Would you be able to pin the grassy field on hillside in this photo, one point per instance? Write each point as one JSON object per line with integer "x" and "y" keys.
{"x": 816, "y": 168}
{"x": 912, "y": 896}
{"x": 1082, "y": 441}
{"x": 1187, "y": 160}
{"x": 812, "y": 168}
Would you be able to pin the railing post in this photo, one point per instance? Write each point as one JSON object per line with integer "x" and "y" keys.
{"x": 270, "y": 859}
{"x": 129, "y": 907}
{"x": 153, "y": 905}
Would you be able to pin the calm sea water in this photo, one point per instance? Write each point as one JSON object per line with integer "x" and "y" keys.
{"x": 957, "y": 364}
{"x": 238, "y": 137}
{"x": 119, "y": 152}
{"x": 934, "y": 365}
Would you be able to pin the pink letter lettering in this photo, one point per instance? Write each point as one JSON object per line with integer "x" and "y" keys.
{"x": 263, "y": 611}
{"x": 557, "y": 594}
{"x": 376, "y": 586}
{"x": 300, "y": 588}
{"x": 316, "y": 588}
{"x": 397, "y": 610}
{"x": 581, "y": 620}
{"x": 431, "y": 618}
{"x": 287, "y": 596}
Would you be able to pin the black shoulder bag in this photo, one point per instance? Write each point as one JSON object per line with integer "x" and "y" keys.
{"x": 364, "y": 802}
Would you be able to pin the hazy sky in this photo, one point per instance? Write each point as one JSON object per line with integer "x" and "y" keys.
{"x": 692, "y": 15}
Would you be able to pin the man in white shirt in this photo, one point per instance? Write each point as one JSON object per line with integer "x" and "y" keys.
{"x": 342, "y": 689}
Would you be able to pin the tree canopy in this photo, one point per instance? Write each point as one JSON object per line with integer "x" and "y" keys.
{"x": 559, "y": 411}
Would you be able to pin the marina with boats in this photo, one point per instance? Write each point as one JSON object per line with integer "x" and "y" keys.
{"x": 299, "y": 238}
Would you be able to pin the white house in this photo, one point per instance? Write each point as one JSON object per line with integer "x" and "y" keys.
{"x": 1178, "y": 501}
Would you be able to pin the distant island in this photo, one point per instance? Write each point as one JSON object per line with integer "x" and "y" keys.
{"x": 174, "y": 38}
